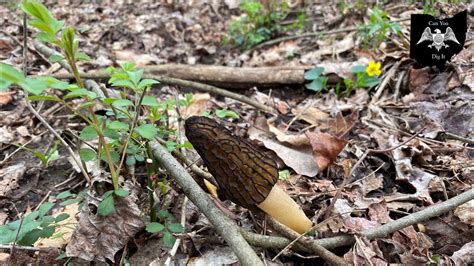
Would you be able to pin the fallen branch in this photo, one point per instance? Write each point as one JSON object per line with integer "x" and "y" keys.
{"x": 231, "y": 76}
{"x": 223, "y": 225}
{"x": 423, "y": 215}
{"x": 184, "y": 83}
{"x": 435, "y": 210}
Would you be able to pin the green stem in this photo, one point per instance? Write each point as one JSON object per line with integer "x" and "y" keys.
{"x": 132, "y": 127}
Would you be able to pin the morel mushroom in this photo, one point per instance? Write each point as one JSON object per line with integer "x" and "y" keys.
{"x": 244, "y": 174}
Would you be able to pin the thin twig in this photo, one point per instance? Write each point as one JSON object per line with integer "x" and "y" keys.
{"x": 174, "y": 249}
{"x": 385, "y": 81}
{"x": 43, "y": 200}
{"x": 450, "y": 135}
{"x": 435, "y": 210}
{"x": 223, "y": 225}
{"x": 185, "y": 83}
{"x": 20, "y": 247}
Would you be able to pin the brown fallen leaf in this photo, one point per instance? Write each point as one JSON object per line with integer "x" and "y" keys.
{"x": 297, "y": 140}
{"x": 312, "y": 115}
{"x": 300, "y": 159}
{"x": 198, "y": 105}
{"x": 6, "y": 97}
{"x": 325, "y": 148}
{"x": 97, "y": 238}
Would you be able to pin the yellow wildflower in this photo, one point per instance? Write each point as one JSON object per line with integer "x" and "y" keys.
{"x": 373, "y": 69}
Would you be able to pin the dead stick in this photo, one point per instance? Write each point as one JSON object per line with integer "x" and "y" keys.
{"x": 185, "y": 83}
{"x": 223, "y": 225}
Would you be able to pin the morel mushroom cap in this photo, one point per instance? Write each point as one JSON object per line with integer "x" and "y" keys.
{"x": 244, "y": 174}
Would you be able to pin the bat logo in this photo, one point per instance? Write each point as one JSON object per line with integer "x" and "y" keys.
{"x": 437, "y": 38}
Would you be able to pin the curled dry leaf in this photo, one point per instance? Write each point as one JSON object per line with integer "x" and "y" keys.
{"x": 297, "y": 140}
{"x": 465, "y": 255}
{"x": 97, "y": 238}
{"x": 325, "y": 148}
{"x": 365, "y": 252}
{"x": 299, "y": 159}
{"x": 6, "y": 97}
{"x": 312, "y": 115}
{"x": 465, "y": 212}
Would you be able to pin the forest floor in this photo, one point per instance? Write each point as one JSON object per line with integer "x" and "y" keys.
{"x": 353, "y": 158}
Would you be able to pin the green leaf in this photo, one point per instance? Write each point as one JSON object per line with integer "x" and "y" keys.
{"x": 165, "y": 214}
{"x": 358, "y": 69}
{"x": 315, "y": 85}
{"x": 6, "y": 235}
{"x": 82, "y": 56}
{"x": 186, "y": 145}
{"x": 374, "y": 28}
{"x": 10, "y": 75}
{"x": 168, "y": 239}
{"x": 147, "y": 131}
{"x": 64, "y": 194}
{"x": 147, "y": 83}
{"x": 149, "y": 101}
{"x": 113, "y": 154}
{"x": 81, "y": 93}
{"x": 34, "y": 85}
{"x": 44, "y": 98}
{"x": 54, "y": 83}
{"x": 170, "y": 145}
{"x": 111, "y": 133}
{"x": 222, "y": 113}
{"x": 123, "y": 83}
{"x": 55, "y": 58}
{"x": 61, "y": 217}
{"x": 70, "y": 201}
{"x": 47, "y": 38}
{"x": 121, "y": 193}
{"x": 175, "y": 227}
{"x": 31, "y": 237}
{"x": 130, "y": 160}
{"x": 118, "y": 125}
{"x": 44, "y": 208}
{"x": 87, "y": 154}
{"x": 135, "y": 77}
{"x": 88, "y": 133}
{"x": 122, "y": 102}
{"x": 106, "y": 206}
{"x": 314, "y": 73}
{"x": 154, "y": 227}
{"x": 284, "y": 174}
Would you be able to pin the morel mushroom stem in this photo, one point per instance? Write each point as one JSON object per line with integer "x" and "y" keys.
{"x": 285, "y": 210}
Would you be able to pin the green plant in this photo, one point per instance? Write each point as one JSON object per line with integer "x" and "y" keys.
{"x": 318, "y": 82}
{"x": 223, "y": 113}
{"x": 365, "y": 77}
{"x": 51, "y": 154}
{"x": 257, "y": 24}
{"x": 37, "y": 224}
{"x": 284, "y": 174}
{"x": 131, "y": 120}
{"x": 167, "y": 225}
{"x": 378, "y": 28}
